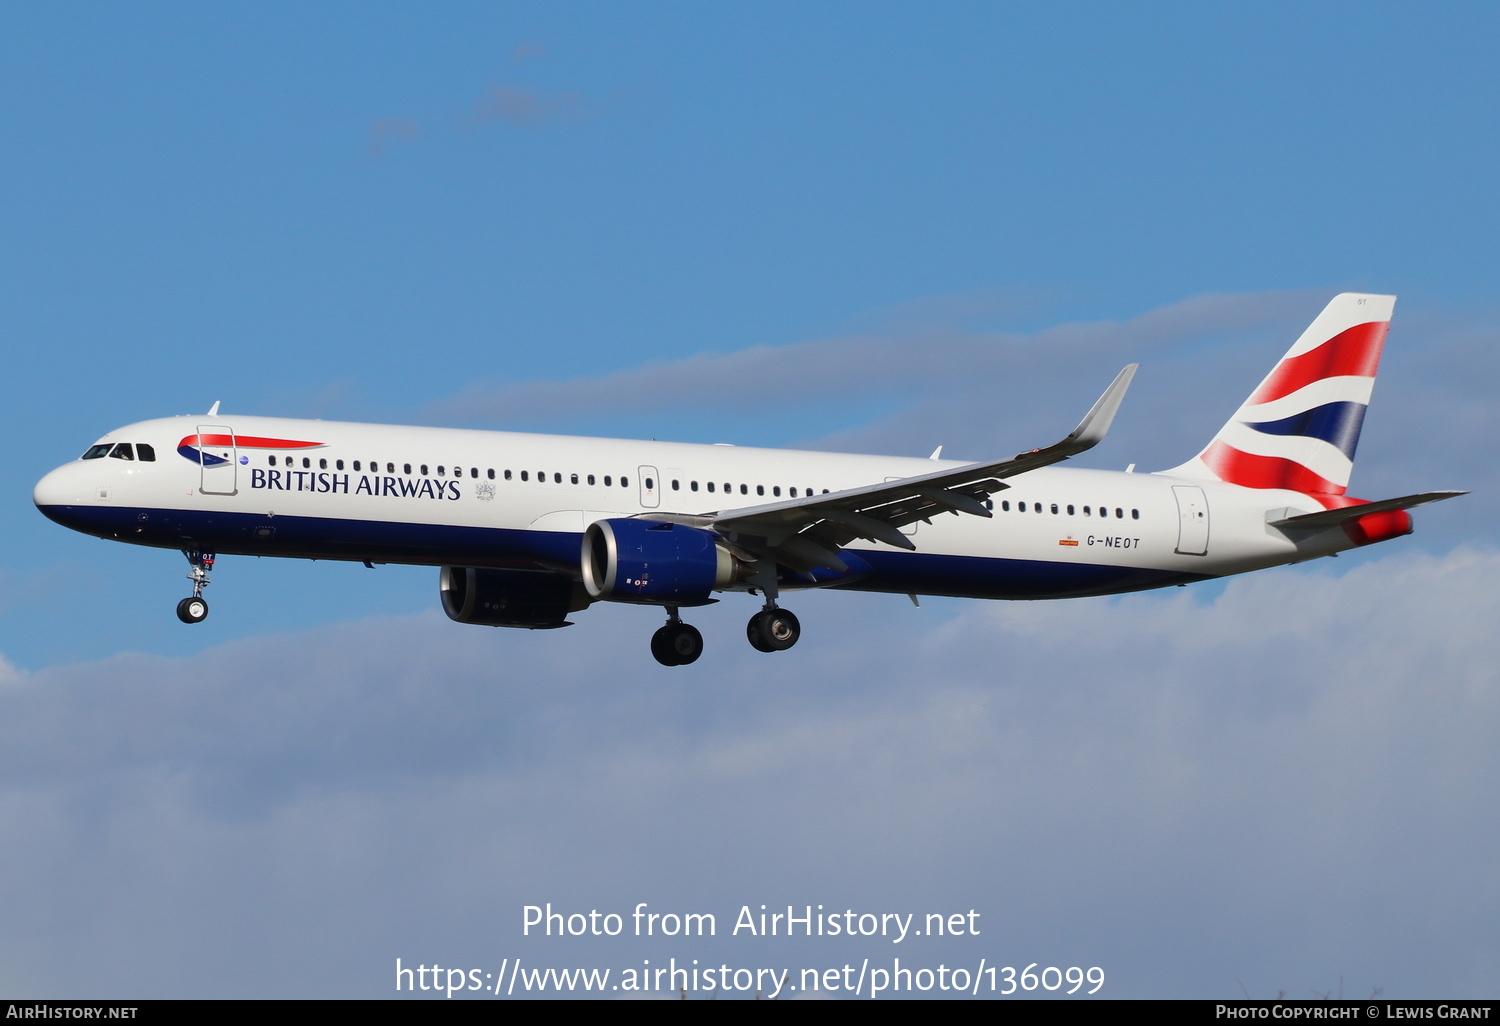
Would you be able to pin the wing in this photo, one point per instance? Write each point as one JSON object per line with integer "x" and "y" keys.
{"x": 807, "y": 533}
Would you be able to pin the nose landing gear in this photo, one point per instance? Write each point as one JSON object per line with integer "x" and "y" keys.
{"x": 678, "y": 643}
{"x": 194, "y": 609}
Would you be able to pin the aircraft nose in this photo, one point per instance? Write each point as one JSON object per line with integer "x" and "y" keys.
{"x": 62, "y": 487}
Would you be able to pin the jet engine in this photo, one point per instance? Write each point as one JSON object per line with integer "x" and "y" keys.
{"x": 536, "y": 600}
{"x": 655, "y": 563}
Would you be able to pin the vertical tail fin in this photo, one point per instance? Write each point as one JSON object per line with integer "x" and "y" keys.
{"x": 1299, "y": 429}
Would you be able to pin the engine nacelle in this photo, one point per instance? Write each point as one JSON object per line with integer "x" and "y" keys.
{"x": 654, "y": 562}
{"x": 536, "y": 600}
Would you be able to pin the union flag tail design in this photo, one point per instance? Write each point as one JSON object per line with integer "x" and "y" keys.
{"x": 1299, "y": 429}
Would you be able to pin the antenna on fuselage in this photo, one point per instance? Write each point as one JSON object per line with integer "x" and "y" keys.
{"x": 214, "y": 410}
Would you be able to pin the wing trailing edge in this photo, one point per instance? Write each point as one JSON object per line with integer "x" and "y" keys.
{"x": 802, "y": 533}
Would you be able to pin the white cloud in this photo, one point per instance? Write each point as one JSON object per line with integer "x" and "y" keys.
{"x": 1282, "y": 785}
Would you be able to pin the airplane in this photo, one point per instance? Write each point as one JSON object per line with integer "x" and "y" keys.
{"x": 528, "y": 529}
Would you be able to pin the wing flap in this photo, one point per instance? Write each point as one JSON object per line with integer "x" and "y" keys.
{"x": 821, "y": 524}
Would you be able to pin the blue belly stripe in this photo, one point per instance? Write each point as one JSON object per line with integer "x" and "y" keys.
{"x": 255, "y": 534}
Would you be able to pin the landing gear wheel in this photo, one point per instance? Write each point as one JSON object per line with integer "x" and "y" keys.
{"x": 192, "y": 609}
{"x": 752, "y": 631}
{"x": 677, "y": 644}
{"x": 773, "y": 630}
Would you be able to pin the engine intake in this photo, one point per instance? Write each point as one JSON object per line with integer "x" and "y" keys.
{"x": 536, "y": 600}
{"x": 654, "y": 562}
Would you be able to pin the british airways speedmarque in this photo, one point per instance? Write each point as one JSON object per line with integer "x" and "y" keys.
{"x": 528, "y": 529}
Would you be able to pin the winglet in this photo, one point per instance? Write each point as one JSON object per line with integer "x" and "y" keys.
{"x": 214, "y": 410}
{"x": 1091, "y": 430}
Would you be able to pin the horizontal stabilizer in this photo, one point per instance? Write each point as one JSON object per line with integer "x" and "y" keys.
{"x": 1334, "y": 517}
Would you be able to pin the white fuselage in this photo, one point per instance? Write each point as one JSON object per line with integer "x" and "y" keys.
{"x": 449, "y": 497}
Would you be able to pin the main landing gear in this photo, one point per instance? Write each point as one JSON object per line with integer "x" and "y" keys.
{"x": 194, "y": 609}
{"x": 678, "y": 643}
{"x": 773, "y": 629}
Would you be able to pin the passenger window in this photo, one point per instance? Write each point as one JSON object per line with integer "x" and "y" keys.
{"x": 776, "y": 489}
{"x": 591, "y": 479}
{"x": 794, "y": 493}
{"x": 1054, "y": 509}
{"x": 744, "y": 489}
{"x": 760, "y": 489}
{"x": 507, "y": 475}
{"x": 524, "y": 477}
{"x": 1135, "y": 514}
{"x": 406, "y": 467}
{"x": 306, "y": 463}
{"x": 676, "y": 485}
{"x": 440, "y": 470}
{"x": 1086, "y": 512}
{"x": 272, "y": 460}
{"x": 123, "y": 451}
{"x": 1070, "y": 509}
{"x": 1005, "y": 505}
{"x": 1119, "y": 513}
{"x": 390, "y": 468}
{"x": 145, "y": 453}
{"x": 574, "y": 478}
{"x": 608, "y": 479}
{"x": 710, "y": 486}
{"x": 693, "y": 485}
{"x": 624, "y": 482}
{"x": 322, "y": 464}
{"x": 339, "y": 464}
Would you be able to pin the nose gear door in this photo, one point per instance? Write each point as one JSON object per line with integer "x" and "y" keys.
{"x": 218, "y": 460}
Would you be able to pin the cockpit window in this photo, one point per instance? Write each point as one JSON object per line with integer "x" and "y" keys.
{"x": 97, "y": 451}
{"x": 123, "y": 451}
{"x": 145, "y": 453}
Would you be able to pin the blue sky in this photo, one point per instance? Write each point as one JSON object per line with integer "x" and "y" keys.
{"x": 872, "y": 227}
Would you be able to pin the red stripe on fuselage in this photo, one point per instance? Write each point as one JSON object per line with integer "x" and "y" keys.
{"x": 248, "y": 442}
{"x": 1354, "y": 352}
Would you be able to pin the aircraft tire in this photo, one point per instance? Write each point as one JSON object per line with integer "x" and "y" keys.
{"x": 752, "y": 632}
{"x": 687, "y": 643}
{"x": 677, "y": 644}
{"x": 774, "y": 630}
{"x": 661, "y": 646}
{"x": 192, "y": 609}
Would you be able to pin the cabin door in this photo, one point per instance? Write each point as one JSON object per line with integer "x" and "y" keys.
{"x": 650, "y": 488}
{"x": 1192, "y": 520}
{"x": 218, "y": 460}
